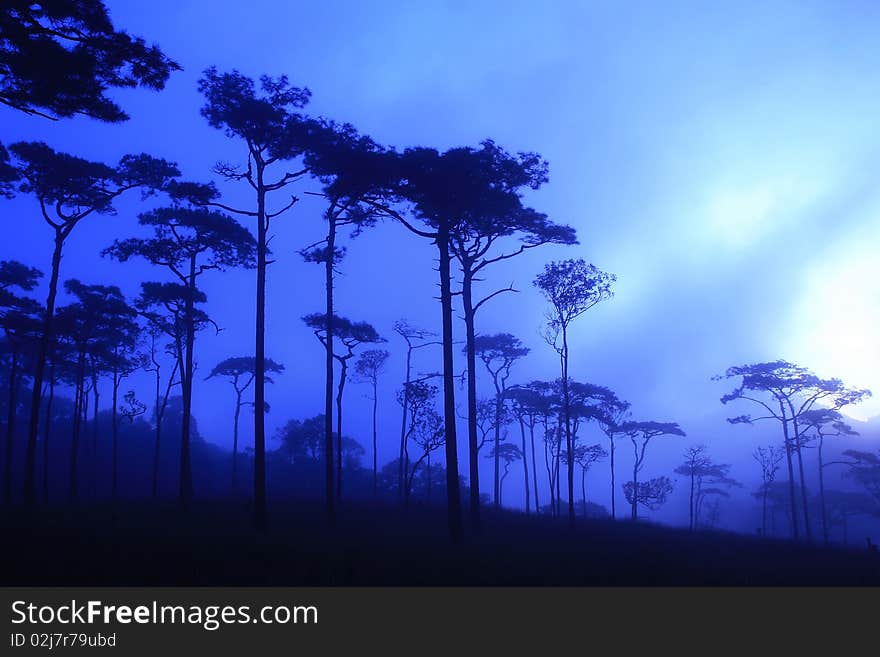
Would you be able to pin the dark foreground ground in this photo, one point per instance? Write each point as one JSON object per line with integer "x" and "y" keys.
{"x": 214, "y": 545}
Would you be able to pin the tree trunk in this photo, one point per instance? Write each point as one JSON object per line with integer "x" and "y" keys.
{"x": 568, "y": 443}
{"x": 260, "y": 512}
{"x": 235, "y": 440}
{"x": 794, "y": 520}
{"x": 115, "y": 433}
{"x": 613, "y": 491}
{"x": 375, "y": 438}
{"x": 401, "y": 464}
{"x": 10, "y": 424}
{"x": 499, "y": 401}
{"x": 47, "y": 431}
{"x": 186, "y": 489}
{"x": 473, "y": 440}
{"x": 525, "y": 460}
{"x": 158, "y": 434}
{"x": 634, "y": 511}
{"x": 808, "y": 530}
{"x": 453, "y": 494}
{"x": 44, "y": 353}
{"x": 534, "y": 467}
{"x": 77, "y": 414}
{"x": 584, "y": 491}
{"x": 330, "y": 488}
{"x": 822, "y": 491}
{"x": 691, "y": 504}
{"x": 343, "y": 373}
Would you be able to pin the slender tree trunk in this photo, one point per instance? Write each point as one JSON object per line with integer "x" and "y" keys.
{"x": 794, "y": 519}
{"x": 634, "y": 511}
{"x": 401, "y": 463}
{"x": 584, "y": 491}
{"x": 343, "y": 374}
{"x": 567, "y": 410}
{"x": 260, "y": 511}
{"x": 44, "y": 353}
{"x": 330, "y": 487}
{"x": 497, "y": 442}
{"x": 549, "y": 468}
{"x": 95, "y": 398}
{"x": 10, "y": 425}
{"x": 158, "y": 434}
{"x": 115, "y": 433}
{"x": 764, "y": 510}
{"x": 186, "y": 487}
{"x": 473, "y": 440}
{"x": 691, "y": 502}
{"x": 613, "y": 490}
{"x": 77, "y": 415}
{"x": 808, "y": 530}
{"x": 822, "y": 491}
{"x": 525, "y": 460}
{"x": 453, "y": 494}
{"x": 47, "y": 433}
{"x": 534, "y": 467}
{"x": 235, "y": 440}
{"x": 375, "y": 438}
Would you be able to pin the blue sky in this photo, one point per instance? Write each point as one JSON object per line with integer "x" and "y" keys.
{"x": 720, "y": 158}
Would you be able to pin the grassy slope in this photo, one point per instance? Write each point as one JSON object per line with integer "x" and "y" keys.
{"x": 213, "y": 545}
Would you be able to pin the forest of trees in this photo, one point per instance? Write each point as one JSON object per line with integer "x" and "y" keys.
{"x": 75, "y": 431}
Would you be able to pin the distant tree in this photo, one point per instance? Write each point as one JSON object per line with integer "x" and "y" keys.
{"x": 188, "y": 241}
{"x": 640, "y": 434}
{"x": 157, "y": 326}
{"x": 69, "y": 189}
{"x": 369, "y": 366}
{"x": 303, "y": 441}
{"x": 584, "y": 457}
{"x": 843, "y": 505}
{"x": 789, "y": 391}
{"x": 60, "y": 58}
{"x": 571, "y": 287}
{"x": 100, "y": 324}
{"x": 271, "y": 126}
{"x": 415, "y": 338}
{"x": 823, "y": 423}
{"x": 133, "y": 407}
{"x": 351, "y": 335}
{"x": 498, "y": 352}
{"x": 508, "y": 454}
{"x": 769, "y": 458}
{"x": 424, "y": 428}
{"x": 651, "y": 494}
{"x": 20, "y": 320}
{"x": 528, "y": 406}
{"x": 696, "y": 462}
{"x": 865, "y": 470}
{"x": 612, "y": 413}
{"x": 239, "y": 371}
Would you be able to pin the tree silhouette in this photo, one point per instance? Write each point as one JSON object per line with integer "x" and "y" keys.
{"x": 157, "y": 326}
{"x": 188, "y": 241}
{"x": 498, "y": 352}
{"x": 842, "y": 505}
{"x": 651, "y": 494}
{"x": 415, "y": 338}
{"x": 789, "y": 391}
{"x": 507, "y": 454}
{"x": 239, "y": 371}
{"x": 473, "y": 243}
{"x": 640, "y": 434}
{"x": 270, "y": 125}
{"x": 369, "y": 366}
{"x": 865, "y": 470}
{"x": 769, "y": 459}
{"x": 612, "y": 413}
{"x": 707, "y": 479}
{"x": 571, "y": 287}
{"x": 584, "y": 457}
{"x": 351, "y": 335}
{"x": 69, "y": 189}
{"x": 350, "y": 170}
{"x": 60, "y": 58}
{"x": 425, "y": 427}
{"x": 824, "y": 423}
{"x": 19, "y": 318}
{"x": 102, "y": 324}
{"x": 528, "y": 406}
